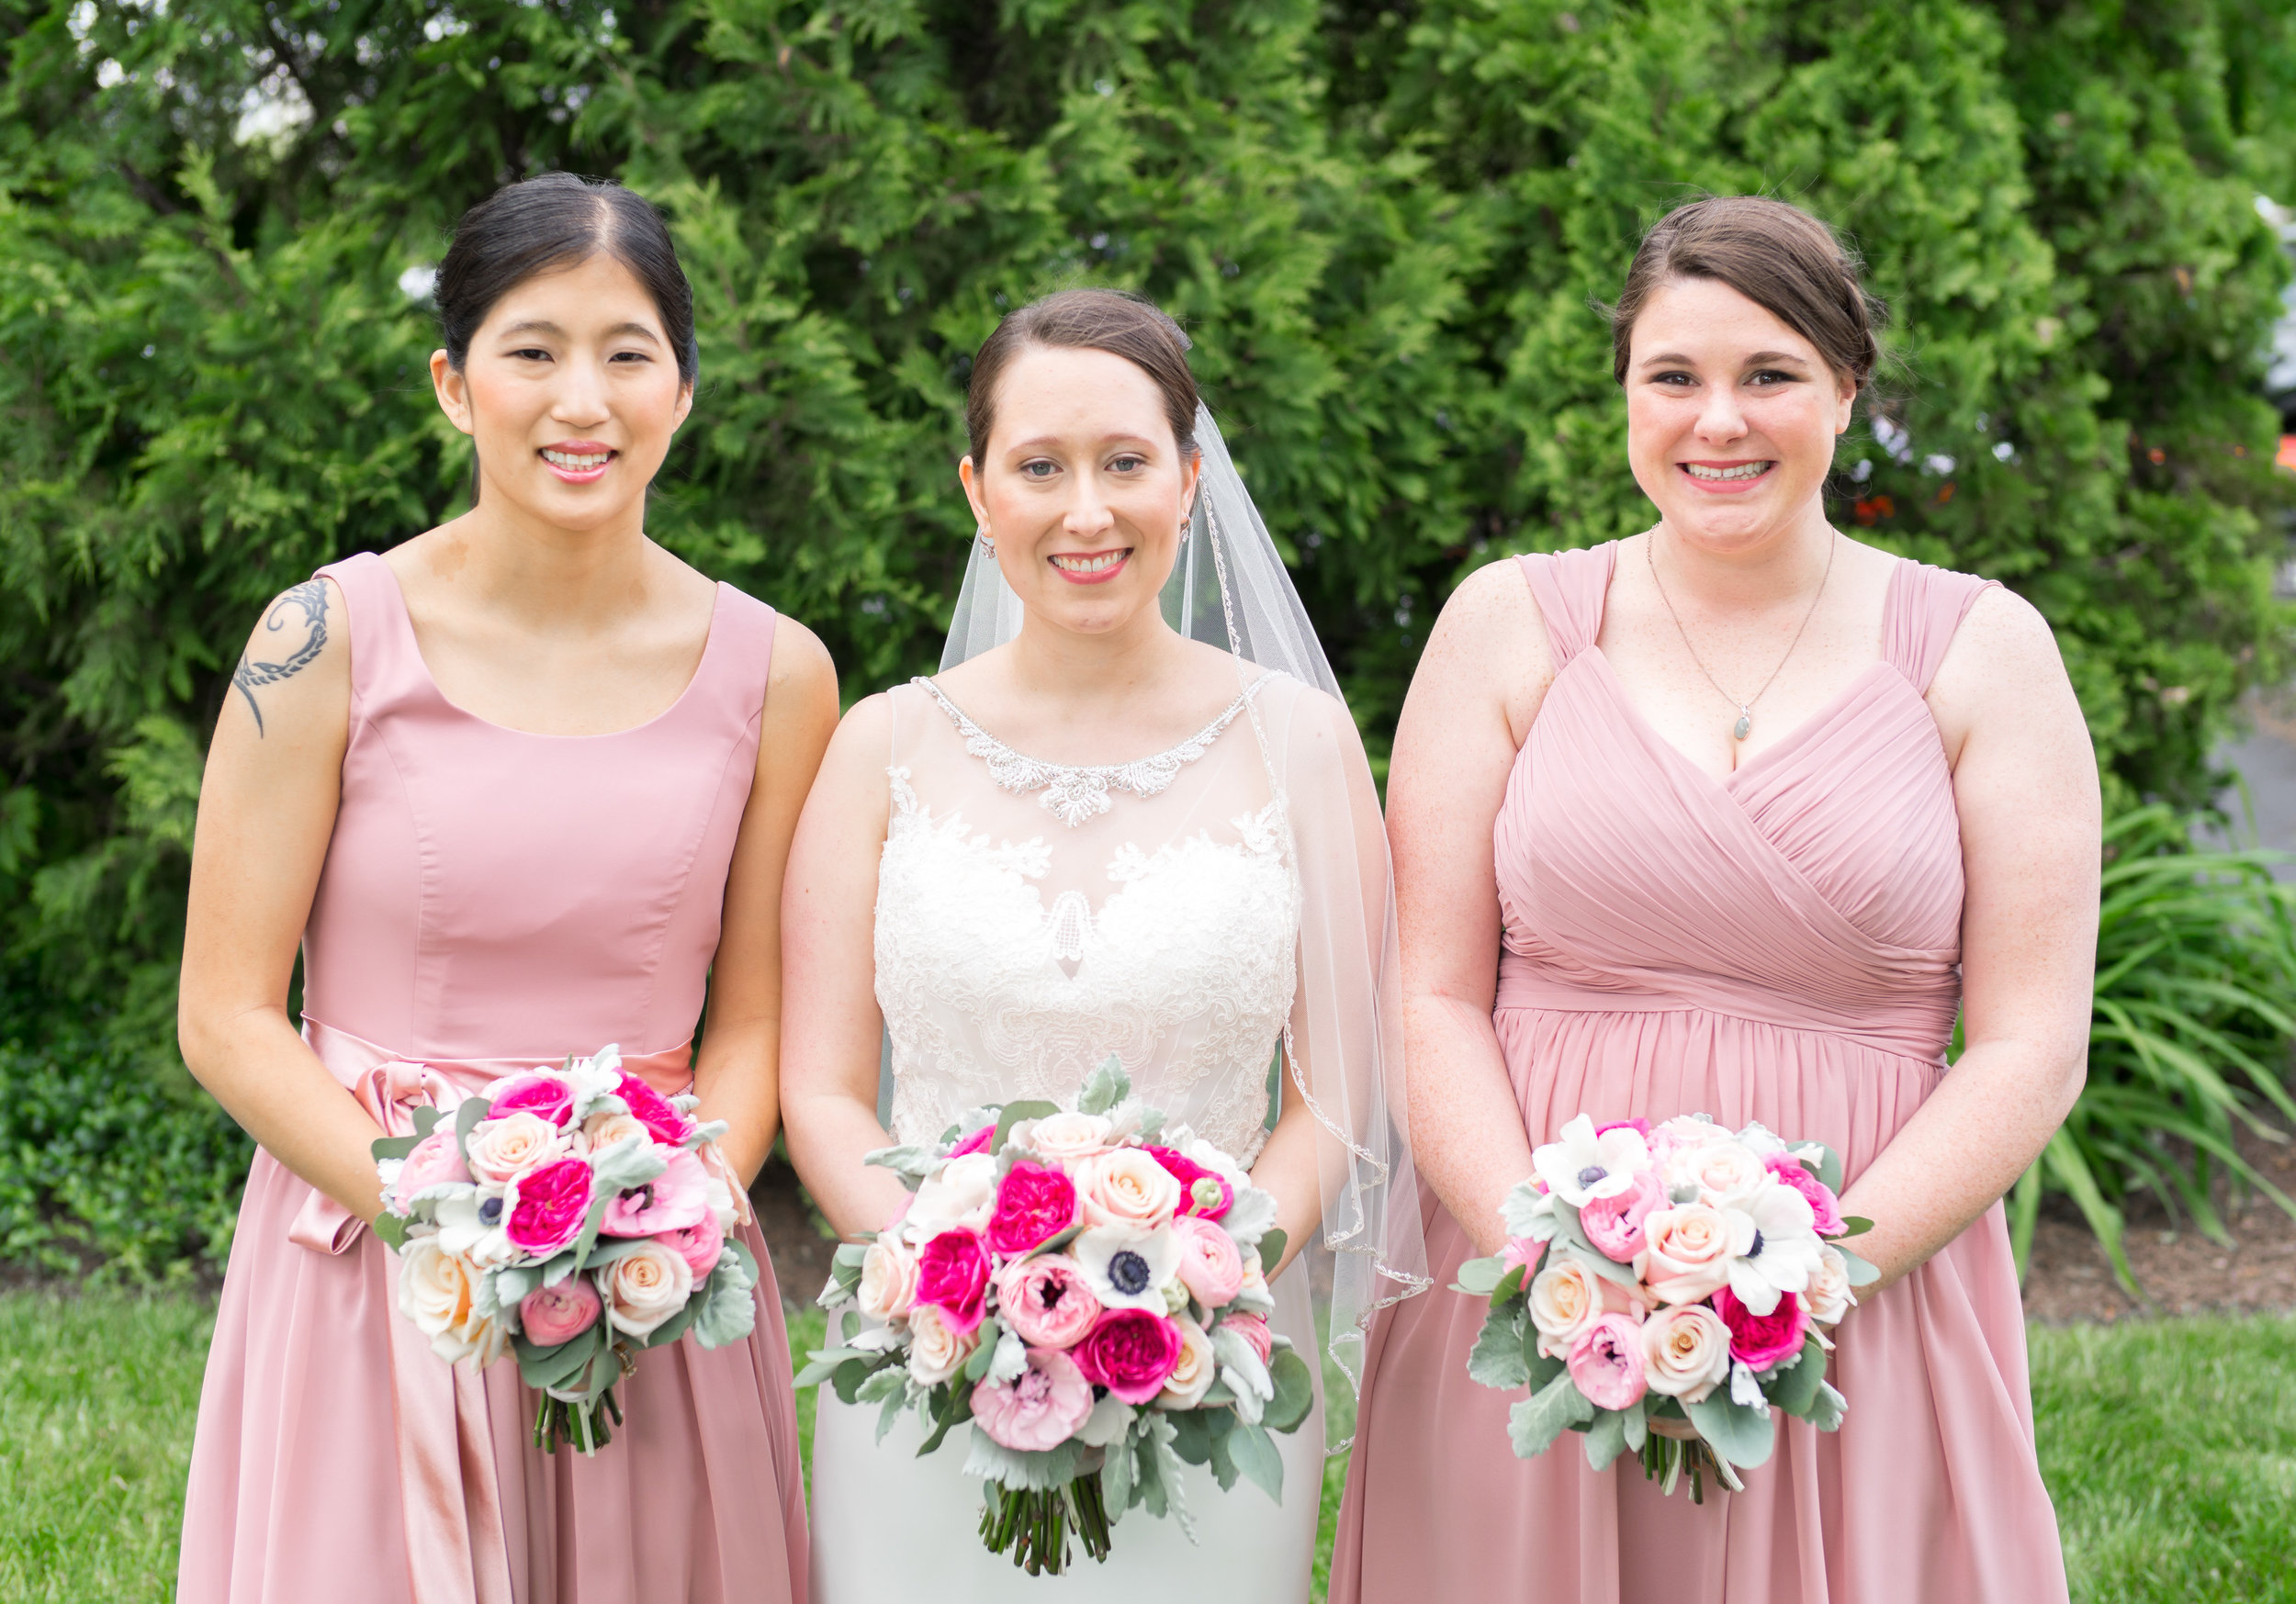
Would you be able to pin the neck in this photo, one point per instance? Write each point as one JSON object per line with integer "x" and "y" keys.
{"x": 505, "y": 558}
{"x": 1063, "y": 666}
{"x": 1784, "y": 564}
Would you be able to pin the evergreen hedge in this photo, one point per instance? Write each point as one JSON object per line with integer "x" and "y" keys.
{"x": 1383, "y": 223}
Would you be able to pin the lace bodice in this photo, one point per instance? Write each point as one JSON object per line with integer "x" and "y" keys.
{"x": 1160, "y": 925}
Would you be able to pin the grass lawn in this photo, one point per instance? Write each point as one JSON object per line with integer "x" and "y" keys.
{"x": 2170, "y": 1448}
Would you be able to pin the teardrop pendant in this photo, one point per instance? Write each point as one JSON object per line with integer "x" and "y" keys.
{"x": 1745, "y": 725}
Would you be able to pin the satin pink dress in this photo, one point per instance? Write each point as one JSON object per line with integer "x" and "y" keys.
{"x": 491, "y": 901}
{"x": 1780, "y": 945}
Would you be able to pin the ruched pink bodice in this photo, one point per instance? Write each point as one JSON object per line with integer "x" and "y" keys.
{"x": 1780, "y": 945}
{"x": 493, "y": 899}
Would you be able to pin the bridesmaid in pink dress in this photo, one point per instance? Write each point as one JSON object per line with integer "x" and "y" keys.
{"x": 515, "y": 788}
{"x": 1730, "y": 817}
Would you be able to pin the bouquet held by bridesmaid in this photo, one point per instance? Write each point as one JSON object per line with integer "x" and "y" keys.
{"x": 567, "y": 1216}
{"x": 1664, "y": 1292}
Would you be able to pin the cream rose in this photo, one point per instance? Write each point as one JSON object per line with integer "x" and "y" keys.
{"x": 959, "y": 1197}
{"x": 1061, "y": 1137}
{"x": 1828, "y": 1296}
{"x": 1727, "y": 1174}
{"x": 1691, "y": 1246}
{"x": 1685, "y": 1352}
{"x": 888, "y": 1279}
{"x": 437, "y": 1290}
{"x": 645, "y": 1287}
{"x": 1127, "y": 1187}
{"x": 601, "y": 1131}
{"x": 937, "y": 1350}
{"x": 1191, "y": 1378}
{"x": 502, "y": 1149}
{"x": 1567, "y": 1298}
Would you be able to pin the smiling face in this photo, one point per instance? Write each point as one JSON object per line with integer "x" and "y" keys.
{"x": 1083, "y": 488}
{"x": 571, "y": 393}
{"x": 1731, "y": 416}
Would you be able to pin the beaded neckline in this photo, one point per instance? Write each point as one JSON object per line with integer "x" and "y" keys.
{"x": 1075, "y": 793}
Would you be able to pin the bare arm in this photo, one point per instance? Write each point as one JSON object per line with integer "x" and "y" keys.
{"x": 737, "y": 1072}
{"x": 266, "y": 815}
{"x": 2025, "y": 786}
{"x": 832, "y": 1025}
{"x": 1477, "y": 688}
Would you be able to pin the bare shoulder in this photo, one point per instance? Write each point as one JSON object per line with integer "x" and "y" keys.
{"x": 295, "y": 673}
{"x": 802, "y": 665}
{"x": 2003, "y": 672}
{"x": 1488, "y": 645}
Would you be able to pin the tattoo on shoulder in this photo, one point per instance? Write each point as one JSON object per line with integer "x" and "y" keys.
{"x": 310, "y": 599}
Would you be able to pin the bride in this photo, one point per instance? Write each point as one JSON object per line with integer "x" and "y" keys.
{"x": 1130, "y": 817}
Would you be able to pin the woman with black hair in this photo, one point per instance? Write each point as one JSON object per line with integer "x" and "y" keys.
{"x": 517, "y": 789}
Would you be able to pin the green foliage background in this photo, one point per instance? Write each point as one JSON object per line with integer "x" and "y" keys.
{"x": 1383, "y": 223}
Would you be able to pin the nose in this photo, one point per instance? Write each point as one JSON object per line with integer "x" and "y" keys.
{"x": 579, "y": 398}
{"x": 1721, "y": 418}
{"x": 1088, "y": 516}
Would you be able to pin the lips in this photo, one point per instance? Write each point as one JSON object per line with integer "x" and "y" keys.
{"x": 578, "y": 462}
{"x": 1090, "y": 567}
{"x": 1727, "y": 478}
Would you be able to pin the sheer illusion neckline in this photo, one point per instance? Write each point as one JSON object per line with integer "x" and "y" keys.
{"x": 1076, "y": 792}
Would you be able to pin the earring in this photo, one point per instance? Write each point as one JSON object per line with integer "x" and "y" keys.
{"x": 988, "y": 540}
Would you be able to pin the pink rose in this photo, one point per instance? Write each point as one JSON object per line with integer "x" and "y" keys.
{"x": 1210, "y": 1265}
{"x": 644, "y": 1288}
{"x": 653, "y": 1111}
{"x": 1614, "y": 1225}
{"x": 546, "y": 1096}
{"x": 1130, "y": 1352}
{"x": 1038, "y": 1409}
{"x": 1605, "y": 1362}
{"x": 1033, "y": 1204}
{"x": 679, "y": 1197}
{"x": 544, "y": 1210}
{"x": 1203, "y": 1193}
{"x": 975, "y": 1143}
{"x": 436, "y": 1161}
{"x": 1045, "y": 1301}
{"x": 699, "y": 1244}
{"x": 1254, "y": 1329}
{"x": 888, "y": 1278}
{"x": 1823, "y": 1203}
{"x": 552, "y": 1315}
{"x": 514, "y": 1144}
{"x": 1759, "y": 1342}
{"x": 1639, "y": 1126}
{"x": 1691, "y": 1246}
{"x": 1127, "y": 1187}
{"x": 952, "y": 1274}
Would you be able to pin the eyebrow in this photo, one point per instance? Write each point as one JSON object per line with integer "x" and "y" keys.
{"x": 1045, "y": 441}
{"x": 543, "y": 326}
{"x": 1676, "y": 359}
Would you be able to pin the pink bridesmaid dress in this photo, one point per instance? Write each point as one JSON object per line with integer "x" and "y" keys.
{"x": 492, "y": 900}
{"x": 1779, "y": 946}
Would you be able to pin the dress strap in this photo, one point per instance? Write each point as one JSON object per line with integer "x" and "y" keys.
{"x": 1922, "y": 611}
{"x": 1571, "y": 587}
{"x": 383, "y": 650}
{"x": 739, "y": 657}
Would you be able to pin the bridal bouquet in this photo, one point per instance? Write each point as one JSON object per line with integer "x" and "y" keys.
{"x": 1088, "y": 1290}
{"x": 567, "y": 1216}
{"x": 1662, "y": 1292}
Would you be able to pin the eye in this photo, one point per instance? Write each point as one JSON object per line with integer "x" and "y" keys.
{"x": 1128, "y": 464}
{"x": 1039, "y": 468}
{"x": 630, "y": 356}
{"x": 1675, "y": 380}
{"x": 531, "y": 353}
{"x": 1771, "y": 377}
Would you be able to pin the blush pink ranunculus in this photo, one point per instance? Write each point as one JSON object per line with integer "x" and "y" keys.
{"x": 1211, "y": 1266}
{"x": 1520, "y": 1253}
{"x": 1823, "y": 1205}
{"x": 952, "y": 1275}
{"x": 544, "y": 1210}
{"x": 1130, "y": 1352}
{"x": 1046, "y": 1301}
{"x": 653, "y": 1111}
{"x": 437, "y": 1160}
{"x": 548, "y": 1096}
{"x": 1614, "y": 1225}
{"x": 1203, "y": 1193}
{"x": 552, "y": 1315}
{"x": 1034, "y": 1203}
{"x": 1254, "y": 1329}
{"x": 700, "y": 1244}
{"x": 1038, "y": 1409}
{"x": 1605, "y": 1362}
{"x": 1759, "y": 1342}
{"x": 677, "y": 1197}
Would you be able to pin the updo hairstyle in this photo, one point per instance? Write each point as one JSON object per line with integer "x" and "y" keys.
{"x": 555, "y": 221}
{"x": 1087, "y": 320}
{"x": 1773, "y": 253}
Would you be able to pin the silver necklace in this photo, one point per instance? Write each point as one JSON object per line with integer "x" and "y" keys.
{"x": 1745, "y": 725}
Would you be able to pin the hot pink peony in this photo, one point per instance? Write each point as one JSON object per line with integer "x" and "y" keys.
{"x": 952, "y": 1273}
{"x": 1212, "y": 1267}
{"x": 544, "y": 1210}
{"x": 1605, "y": 1362}
{"x": 699, "y": 1244}
{"x": 1038, "y": 1410}
{"x": 1254, "y": 1329}
{"x": 1614, "y": 1223}
{"x": 436, "y": 1161}
{"x": 652, "y": 1110}
{"x": 545, "y": 1095}
{"x": 552, "y": 1315}
{"x": 975, "y": 1143}
{"x": 1033, "y": 1204}
{"x": 1759, "y": 1341}
{"x": 1130, "y": 1352}
{"x": 1203, "y": 1193}
{"x": 1823, "y": 1203}
{"x": 677, "y": 1197}
{"x": 1045, "y": 1301}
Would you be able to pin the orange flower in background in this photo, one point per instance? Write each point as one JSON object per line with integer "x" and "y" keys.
{"x": 2287, "y": 458}
{"x": 1870, "y": 512}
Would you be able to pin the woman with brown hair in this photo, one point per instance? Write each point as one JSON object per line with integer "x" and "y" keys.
{"x": 1732, "y": 817}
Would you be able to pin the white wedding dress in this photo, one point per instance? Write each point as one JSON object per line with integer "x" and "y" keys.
{"x": 1032, "y": 921}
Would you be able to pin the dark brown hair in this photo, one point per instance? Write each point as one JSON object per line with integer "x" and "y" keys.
{"x": 1773, "y": 253}
{"x": 1087, "y": 320}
